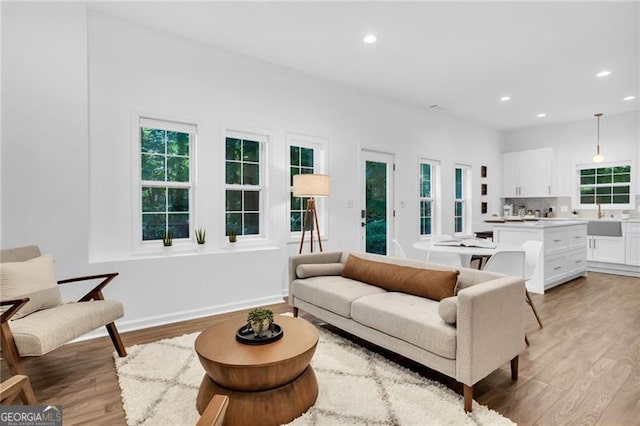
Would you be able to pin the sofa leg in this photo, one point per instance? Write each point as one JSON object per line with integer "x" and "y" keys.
{"x": 115, "y": 338}
{"x": 295, "y": 312}
{"x": 514, "y": 368}
{"x": 468, "y": 398}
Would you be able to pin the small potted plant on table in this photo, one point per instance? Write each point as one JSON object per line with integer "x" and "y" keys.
{"x": 260, "y": 320}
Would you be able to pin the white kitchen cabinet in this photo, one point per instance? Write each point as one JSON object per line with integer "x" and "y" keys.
{"x": 543, "y": 172}
{"x": 606, "y": 249}
{"x": 511, "y": 176}
{"x": 527, "y": 173}
{"x": 632, "y": 239}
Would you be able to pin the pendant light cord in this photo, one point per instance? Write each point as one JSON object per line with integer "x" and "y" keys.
{"x": 598, "y": 115}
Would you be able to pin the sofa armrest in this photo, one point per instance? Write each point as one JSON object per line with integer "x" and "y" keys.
{"x": 299, "y": 259}
{"x": 490, "y": 327}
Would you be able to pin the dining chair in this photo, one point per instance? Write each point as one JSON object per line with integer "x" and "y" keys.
{"x": 507, "y": 262}
{"x": 533, "y": 255}
{"x": 511, "y": 263}
{"x": 451, "y": 259}
{"x": 398, "y": 251}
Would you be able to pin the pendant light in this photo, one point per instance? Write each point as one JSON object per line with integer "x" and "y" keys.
{"x": 598, "y": 157}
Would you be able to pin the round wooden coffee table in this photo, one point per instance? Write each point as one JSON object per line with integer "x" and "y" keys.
{"x": 267, "y": 384}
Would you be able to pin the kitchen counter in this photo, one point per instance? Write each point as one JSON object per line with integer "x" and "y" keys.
{"x": 539, "y": 224}
{"x": 564, "y": 249}
{"x": 586, "y": 219}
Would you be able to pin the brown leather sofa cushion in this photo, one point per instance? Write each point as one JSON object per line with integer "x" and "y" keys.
{"x": 435, "y": 285}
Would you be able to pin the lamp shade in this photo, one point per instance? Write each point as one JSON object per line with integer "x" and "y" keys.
{"x": 311, "y": 185}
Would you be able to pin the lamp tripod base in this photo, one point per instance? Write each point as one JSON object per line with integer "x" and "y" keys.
{"x": 311, "y": 219}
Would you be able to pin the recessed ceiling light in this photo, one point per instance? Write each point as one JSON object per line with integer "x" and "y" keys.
{"x": 505, "y": 98}
{"x": 541, "y": 115}
{"x": 370, "y": 38}
{"x": 603, "y": 73}
{"x": 629, "y": 98}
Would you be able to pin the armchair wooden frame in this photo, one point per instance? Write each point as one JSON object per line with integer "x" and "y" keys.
{"x": 9, "y": 348}
{"x": 14, "y": 386}
{"x": 214, "y": 413}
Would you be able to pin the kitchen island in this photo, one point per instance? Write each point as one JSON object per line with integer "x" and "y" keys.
{"x": 564, "y": 249}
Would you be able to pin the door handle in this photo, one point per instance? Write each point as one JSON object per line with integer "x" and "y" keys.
{"x": 363, "y": 224}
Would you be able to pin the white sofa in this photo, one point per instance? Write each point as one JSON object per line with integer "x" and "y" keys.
{"x": 488, "y": 312}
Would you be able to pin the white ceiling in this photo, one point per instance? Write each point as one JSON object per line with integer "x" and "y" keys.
{"x": 460, "y": 56}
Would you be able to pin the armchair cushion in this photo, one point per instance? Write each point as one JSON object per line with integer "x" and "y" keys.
{"x": 48, "y": 329}
{"x": 34, "y": 278}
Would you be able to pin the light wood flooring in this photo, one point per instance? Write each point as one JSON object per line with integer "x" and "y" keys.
{"x": 582, "y": 368}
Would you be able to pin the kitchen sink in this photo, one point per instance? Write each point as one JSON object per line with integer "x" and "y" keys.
{"x": 604, "y": 228}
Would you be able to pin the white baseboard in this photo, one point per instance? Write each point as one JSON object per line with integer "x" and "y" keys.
{"x": 141, "y": 323}
{"x": 614, "y": 268}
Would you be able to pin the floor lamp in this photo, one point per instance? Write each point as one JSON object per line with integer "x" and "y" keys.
{"x": 311, "y": 186}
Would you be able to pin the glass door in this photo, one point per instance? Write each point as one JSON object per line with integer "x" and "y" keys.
{"x": 377, "y": 202}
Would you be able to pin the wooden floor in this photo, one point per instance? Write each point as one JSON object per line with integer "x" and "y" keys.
{"x": 582, "y": 368}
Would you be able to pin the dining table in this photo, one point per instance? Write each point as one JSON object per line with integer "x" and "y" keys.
{"x": 466, "y": 252}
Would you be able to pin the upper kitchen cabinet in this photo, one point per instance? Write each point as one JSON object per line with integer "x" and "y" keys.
{"x": 528, "y": 173}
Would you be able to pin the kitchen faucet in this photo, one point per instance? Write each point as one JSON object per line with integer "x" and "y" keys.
{"x": 600, "y": 214}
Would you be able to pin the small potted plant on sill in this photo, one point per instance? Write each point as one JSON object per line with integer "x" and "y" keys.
{"x": 233, "y": 237}
{"x": 201, "y": 236}
{"x": 167, "y": 241}
{"x": 260, "y": 320}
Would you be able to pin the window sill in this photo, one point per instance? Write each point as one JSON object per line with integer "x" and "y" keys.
{"x": 189, "y": 250}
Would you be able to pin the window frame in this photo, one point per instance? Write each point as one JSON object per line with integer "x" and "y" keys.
{"x": 159, "y": 122}
{"x": 320, "y": 155}
{"x": 465, "y": 199}
{"x": 434, "y": 199}
{"x": 263, "y": 137}
{"x": 577, "y": 200}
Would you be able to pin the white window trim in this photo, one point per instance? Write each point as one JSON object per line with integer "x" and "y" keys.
{"x": 466, "y": 199}
{"x": 575, "y": 200}
{"x": 320, "y": 146}
{"x": 436, "y": 209}
{"x": 264, "y": 136}
{"x": 164, "y": 122}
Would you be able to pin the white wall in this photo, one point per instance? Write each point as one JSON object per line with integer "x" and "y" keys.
{"x": 575, "y": 143}
{"x": 72, "y": 194}
{"x": 45, "y": 192}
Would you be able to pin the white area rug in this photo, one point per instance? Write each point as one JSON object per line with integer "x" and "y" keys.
{"x": 160, "y": 381}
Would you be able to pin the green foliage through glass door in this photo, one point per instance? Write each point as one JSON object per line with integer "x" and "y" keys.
{"x": 376, "y": 207}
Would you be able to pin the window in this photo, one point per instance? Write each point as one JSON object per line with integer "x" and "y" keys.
{"x": 306, "y": 155}
{"x": 165, "y": 178}
{"x": 609, "y": 184}
{"x": 244, "y": 184}
{"x": 301, "y": 162}
{"x": 427, "y": 197}
{"x": 461, "y": 214}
